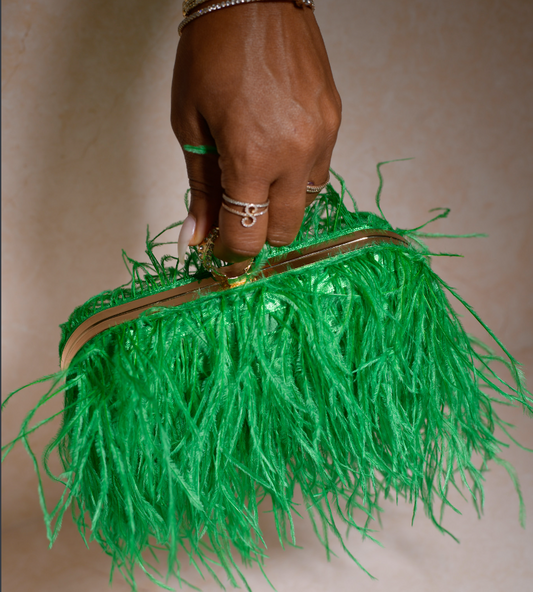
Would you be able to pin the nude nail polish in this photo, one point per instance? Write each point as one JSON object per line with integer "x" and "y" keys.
{"x": 186, "y": 234}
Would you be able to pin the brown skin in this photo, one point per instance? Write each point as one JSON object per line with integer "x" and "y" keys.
{"x": 255, "y": 81}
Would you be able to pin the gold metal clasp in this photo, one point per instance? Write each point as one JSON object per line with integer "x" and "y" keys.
{"x": 230, "y": 276}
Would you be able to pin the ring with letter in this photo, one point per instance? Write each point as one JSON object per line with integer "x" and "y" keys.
{"x": 251, "y": 210}
{"x": 315, "y": 189}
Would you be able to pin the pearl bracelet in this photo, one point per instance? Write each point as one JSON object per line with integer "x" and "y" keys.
{"x": 189, "y": 5}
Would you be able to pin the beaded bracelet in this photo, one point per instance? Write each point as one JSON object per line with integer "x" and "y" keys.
{"x": 189, "y": 5}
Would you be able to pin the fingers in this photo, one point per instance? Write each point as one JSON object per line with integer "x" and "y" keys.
{"x": 247, "y": 175}
{"x": 244, "y": 230}
{"x": 331, "y": 123}
{"x": 204, "y": 178}
{"x": 319, "y": 175}
{"x": 206, "y": 193}
{"x": 288, "y": 201}
{"x": 242, "y": 237}
{"x": 256, "y": 176}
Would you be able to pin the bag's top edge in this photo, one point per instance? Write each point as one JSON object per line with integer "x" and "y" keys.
{"x": 327, "y": 219}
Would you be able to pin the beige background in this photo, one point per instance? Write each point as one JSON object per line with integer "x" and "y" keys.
{"x": 89, "y": 159}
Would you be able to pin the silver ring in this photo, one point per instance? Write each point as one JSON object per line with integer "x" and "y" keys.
{"x": 251, "y": 210}
{"x": 312, "y": 188}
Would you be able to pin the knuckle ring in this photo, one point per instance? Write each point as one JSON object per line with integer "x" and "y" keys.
{"x": 251, "y": 210}
{"x": 315, "y": 189}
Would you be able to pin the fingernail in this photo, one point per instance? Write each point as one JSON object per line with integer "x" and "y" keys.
{"x": 186, "y": 234}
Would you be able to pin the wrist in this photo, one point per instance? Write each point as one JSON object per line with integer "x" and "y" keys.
{"x": 194, "y": 9}
{"x": 192, "y": 6}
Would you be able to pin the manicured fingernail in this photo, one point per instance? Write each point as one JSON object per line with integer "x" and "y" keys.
{"x": 186, "y": 234}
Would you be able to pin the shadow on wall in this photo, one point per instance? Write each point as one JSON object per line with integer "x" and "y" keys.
{"x": 74, "y": 94}
{"x": 75, "y": 193}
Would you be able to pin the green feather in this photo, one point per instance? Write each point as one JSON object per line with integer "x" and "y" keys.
{"x": 352, "y": 379}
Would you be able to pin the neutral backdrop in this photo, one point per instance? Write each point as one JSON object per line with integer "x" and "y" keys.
{"x": 89, "y": 160}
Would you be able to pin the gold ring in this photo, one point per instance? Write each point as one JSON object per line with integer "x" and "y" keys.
{"x": 226, "y": 276}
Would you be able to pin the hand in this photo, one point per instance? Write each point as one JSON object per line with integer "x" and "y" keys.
{"x": 255, "y": 81}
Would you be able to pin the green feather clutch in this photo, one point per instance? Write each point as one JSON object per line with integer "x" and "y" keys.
{"x": 337, "y": 365}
